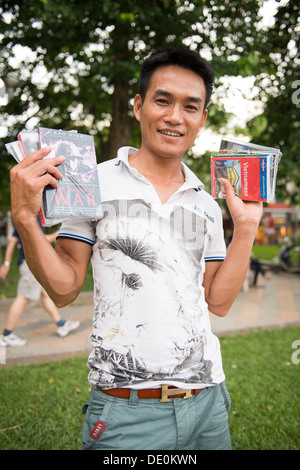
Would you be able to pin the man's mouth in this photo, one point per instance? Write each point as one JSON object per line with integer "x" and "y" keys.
{"x": 170, "y": 133}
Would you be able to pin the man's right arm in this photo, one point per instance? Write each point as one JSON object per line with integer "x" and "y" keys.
{"x": 60, "y": 270}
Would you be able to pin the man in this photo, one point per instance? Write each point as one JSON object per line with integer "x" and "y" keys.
{"x": 159, "y": 265}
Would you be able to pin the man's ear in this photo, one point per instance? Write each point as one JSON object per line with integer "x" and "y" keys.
{"x": 137, "y": 106}
{"x": 204, "y": 116}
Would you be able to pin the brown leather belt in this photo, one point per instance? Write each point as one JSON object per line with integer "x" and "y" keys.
{"x": 164, "y": 393}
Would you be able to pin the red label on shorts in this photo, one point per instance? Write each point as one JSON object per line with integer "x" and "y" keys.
{"x": 98, "y": 430}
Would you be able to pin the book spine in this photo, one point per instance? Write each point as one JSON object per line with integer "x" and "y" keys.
{"x": 25, "y": 152}
{"x": 21, "y": 145}
{"x": 213, "y": 178}
{"x": 42, "y": 217}
{"x": 263, "y": 178}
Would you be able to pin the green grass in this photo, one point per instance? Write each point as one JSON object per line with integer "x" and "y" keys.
{"x": 265, "y": 252}
{"x": 40, "y": 405}
{"x": 264, "y": 384}
{"x": 269, "y": 252}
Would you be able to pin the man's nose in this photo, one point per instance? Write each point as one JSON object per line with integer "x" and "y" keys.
{"x": 174, "y": 114}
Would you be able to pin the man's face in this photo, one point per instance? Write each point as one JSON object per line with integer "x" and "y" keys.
{"x": 172, "y": 113}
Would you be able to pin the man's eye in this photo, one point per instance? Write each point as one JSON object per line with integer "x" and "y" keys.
{"x": 161, "y": 101}
{"x": 191, "y": 107}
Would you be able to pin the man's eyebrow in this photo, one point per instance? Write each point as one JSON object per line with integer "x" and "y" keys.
{"x": 193, "y": 99}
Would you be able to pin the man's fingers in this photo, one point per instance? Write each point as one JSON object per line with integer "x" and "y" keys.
{"x": 229, "y": 190}
{"x": 34, "y": 166}
{"x": 40, "y": 155}
{"x": 49, "y": 180}
{"x": 35, "y": 156}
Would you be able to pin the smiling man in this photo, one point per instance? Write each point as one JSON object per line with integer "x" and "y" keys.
{"x": 159, "y": 264}
{"x": 170, "y": 117}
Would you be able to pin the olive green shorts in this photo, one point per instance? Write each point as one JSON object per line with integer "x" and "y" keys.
{"x": 199, "y": 422}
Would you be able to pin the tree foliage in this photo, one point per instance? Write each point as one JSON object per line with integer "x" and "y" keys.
{"x": 279, "y": 85}
{"x": 80, "y": 60}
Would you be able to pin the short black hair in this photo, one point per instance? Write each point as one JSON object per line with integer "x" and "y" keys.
{"x": 185, "y": 58}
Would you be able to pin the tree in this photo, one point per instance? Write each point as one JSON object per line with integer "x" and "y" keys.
{"x": 83, "y": 58}
{"x": 279, "y": 84}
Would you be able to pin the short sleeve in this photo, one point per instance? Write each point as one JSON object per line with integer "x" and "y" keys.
{"x": 78, "y": 229}
{"x": 216, "y": 248}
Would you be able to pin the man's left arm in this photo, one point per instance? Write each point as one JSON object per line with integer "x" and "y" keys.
{"x": 224, "y": 280}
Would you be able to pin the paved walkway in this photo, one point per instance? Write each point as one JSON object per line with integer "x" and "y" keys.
{"x": 277, "y": 304}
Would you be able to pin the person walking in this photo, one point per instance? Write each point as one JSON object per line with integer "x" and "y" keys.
{"x": 28, "y": 289}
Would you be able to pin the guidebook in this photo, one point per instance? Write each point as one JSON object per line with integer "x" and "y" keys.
{"x": 251, "y": 169}
{"x": 78, "y": 192}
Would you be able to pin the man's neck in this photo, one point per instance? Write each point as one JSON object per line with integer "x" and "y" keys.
{"x": 165, "y": 174}
{"x": 152, "y": 166}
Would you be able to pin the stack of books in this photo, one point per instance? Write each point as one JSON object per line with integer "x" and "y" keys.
{"x": 250, "y": 168}
{"x": 78, "y": 192}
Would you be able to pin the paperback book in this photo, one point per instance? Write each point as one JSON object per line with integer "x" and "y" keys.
{"x": 14, "y": 149}
{"x": 78, "y": 192}
{"x": 251, "y": 169}
{"x": 27, "y": 143}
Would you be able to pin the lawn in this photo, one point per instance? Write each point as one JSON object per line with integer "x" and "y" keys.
{"x": 40, "y": 405}
{"x": 269, "y": 252}
{"x": 265, "y": 252}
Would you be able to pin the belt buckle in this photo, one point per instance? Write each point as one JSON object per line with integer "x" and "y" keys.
{"x": 166, "y": 392}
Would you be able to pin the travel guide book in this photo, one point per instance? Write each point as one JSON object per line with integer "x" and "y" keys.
{"x": 78, "y": 192}
{"x": 250, "y": 168}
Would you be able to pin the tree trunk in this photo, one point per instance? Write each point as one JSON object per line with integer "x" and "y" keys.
{"x": 120, "y": 127}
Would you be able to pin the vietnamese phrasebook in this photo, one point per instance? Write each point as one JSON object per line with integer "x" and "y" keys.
{"x": 250, "y": 168}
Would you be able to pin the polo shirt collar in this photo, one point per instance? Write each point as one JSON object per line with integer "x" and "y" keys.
{"x": 191, "y": 180}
